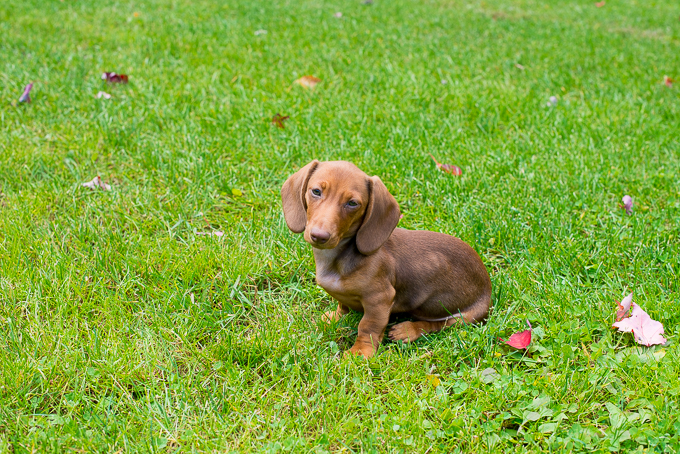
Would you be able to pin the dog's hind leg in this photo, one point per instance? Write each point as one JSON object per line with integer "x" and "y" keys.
{"x": 410, "y": 331}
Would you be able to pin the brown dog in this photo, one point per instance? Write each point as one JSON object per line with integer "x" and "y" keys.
{"x": 369, "y": 266}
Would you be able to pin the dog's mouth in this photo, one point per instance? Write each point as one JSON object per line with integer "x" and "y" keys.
{"x": 329, "y": 244}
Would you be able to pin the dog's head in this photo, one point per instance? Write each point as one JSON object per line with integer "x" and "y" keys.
{"x": 334, "y": 200}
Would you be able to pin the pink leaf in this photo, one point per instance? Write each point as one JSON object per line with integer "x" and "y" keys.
{"x": 647, "y": 332}
{"x": 668, "y": 81}
{"x": 307, "y": 81}
{"x": 97, "y": 183}
{"x": 627, "y": 204}
{"x": 623, "y": 307}
{"x": 448, "y": 168}
{"x": 217, "y": 233}
{"x": 26, "y": 96}
{"x": 519, "y": 340}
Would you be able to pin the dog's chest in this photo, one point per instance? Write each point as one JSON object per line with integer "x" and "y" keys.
{"x": 330, "y": 281}
{"x": 337, "y": 284}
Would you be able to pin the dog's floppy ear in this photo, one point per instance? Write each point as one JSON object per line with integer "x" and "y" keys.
{"x": 293, "y": 197}
{"x": 382, "y": 216}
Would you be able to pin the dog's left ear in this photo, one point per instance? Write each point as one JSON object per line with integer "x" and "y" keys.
{"x": 293, "y": 197}
{"x": 382, "y": 216}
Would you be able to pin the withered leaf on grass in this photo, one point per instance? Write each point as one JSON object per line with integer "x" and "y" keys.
{"x": 434, "y": 380}
{"x": 115, "y": 78}
{"x": 627, "y": 204}
{"x": 278, "y": 120}
{"x": 307, "y": 81}
{"x": 97, "y": 183}
{"x": 519, "y": 340}
{"x": 448, "y": 168}
{"x": 668, "y": 81}
{"x": 26, "y": 96}
{"x": 646, "y": 331}
{"x": 217, "y": 233}
{"x": 600, "y": 4}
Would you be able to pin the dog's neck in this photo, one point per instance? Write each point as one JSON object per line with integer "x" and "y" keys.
{"x": 338, "y": 259}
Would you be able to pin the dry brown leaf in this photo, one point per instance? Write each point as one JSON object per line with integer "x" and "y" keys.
{"x": 308, "y": 81}
{"x": 278, "y": 120}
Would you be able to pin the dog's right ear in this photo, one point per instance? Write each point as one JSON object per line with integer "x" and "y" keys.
{"x": 293, "y": 197}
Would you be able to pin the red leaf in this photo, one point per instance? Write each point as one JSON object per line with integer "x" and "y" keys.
{"x": 519, "y": 340}
{"x": 278, "y": 120}
{"x": 600, "y": 4}
{"x": 668, "y": 81}
{"x": 448, "y": 168}
{"x": 115, "y": 78}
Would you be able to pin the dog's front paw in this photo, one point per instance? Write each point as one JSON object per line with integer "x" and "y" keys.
{"x": 361, "y": 350}
{"x": 405, "y": 331}
{"x": 330, "y": 317}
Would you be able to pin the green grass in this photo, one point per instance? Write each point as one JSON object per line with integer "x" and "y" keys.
{"x": 122, "y": 330}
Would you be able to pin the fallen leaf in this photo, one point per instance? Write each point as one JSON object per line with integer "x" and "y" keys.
{"x": 368, "y": 2}
{"x": 518, "y": 66}
{"x": 668, "y": 81}
{"x": 338, "y": 15}
{"x": 448, "y": 168}
{"x": 434, "y": 380}
{"x": 519, "y": 340}
{"x": 136, "y": 14}
{"x": 307, "y": 81}
{"x": 552, "y": 101}
{"x": 103, "y": 94}
{"x": 260, "y": 32}
{"x": 627, "y": 204}
{"x": 623, "y": 307}
{"x": 115, "y": 78}
{"x": 278, "y": 120}
{"x": 646, "y": 331}
{"x": 97, "y": 183}
{"x": 217, "y": 233}
{"x": 600, "y": 4}
{"x": 26, "y": 96}
{"x": 236, "y": 192}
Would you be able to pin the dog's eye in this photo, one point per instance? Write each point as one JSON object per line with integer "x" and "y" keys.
{"x": 316, "y": 192}
{"x": 352, "y": 204}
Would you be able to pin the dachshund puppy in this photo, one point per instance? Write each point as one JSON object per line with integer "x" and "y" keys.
{"x": 370, "y": 266}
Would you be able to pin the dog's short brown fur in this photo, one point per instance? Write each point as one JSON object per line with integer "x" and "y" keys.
{"x": 369, "y": 266}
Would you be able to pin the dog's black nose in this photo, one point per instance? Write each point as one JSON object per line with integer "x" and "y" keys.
{"x": 319, "y": 236}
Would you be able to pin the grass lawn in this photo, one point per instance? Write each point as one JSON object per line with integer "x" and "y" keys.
{"x": 122, "y": 329}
